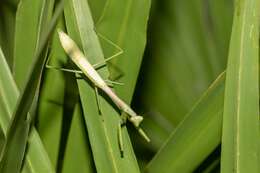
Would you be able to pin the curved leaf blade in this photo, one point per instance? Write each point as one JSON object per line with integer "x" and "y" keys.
{"x": 240, "y": 140}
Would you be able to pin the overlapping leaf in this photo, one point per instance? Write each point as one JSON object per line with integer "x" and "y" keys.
{"x": 36, "y": 158}
{"x": 14, "y": 148}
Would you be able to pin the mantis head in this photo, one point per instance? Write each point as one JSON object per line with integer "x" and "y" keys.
{"x": 136, "y": 120}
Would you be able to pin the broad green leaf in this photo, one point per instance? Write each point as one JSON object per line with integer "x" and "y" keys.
{"x": 8, "y": 91}
{"x": 195, "y": 137}
{"x": 240, "y": 140}
{"x": 36, "y": 156}
{"x": 12, "y": 155}
{"x": 102, "y": 129}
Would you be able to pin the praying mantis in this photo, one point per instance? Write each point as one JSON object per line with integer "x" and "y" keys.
{"x": 75, "y": 54}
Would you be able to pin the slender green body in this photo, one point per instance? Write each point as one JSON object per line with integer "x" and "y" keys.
{"x": 81, "y": 61}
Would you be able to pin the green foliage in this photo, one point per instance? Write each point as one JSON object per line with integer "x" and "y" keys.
{"x": 199, "y": 117}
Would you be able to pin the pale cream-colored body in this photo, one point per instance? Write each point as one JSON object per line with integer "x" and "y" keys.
{"x": 80, "y": 60}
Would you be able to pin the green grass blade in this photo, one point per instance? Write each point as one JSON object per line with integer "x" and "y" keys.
{"x": 9, "y": 93}
{"x": 20, "y": 121}
{"x": 36, "y": 157}
{"x": 11, "y": 163}
{"x": 14, "y": 153}
{"x": 102, "y": 130}
{"x": 195, "y": 137}
{"x": 240, "y": 140}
